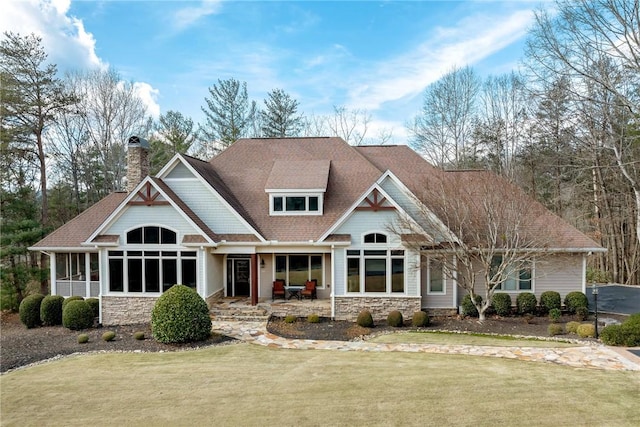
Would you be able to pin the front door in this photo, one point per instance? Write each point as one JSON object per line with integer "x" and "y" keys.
{"x": 238, "y": 277}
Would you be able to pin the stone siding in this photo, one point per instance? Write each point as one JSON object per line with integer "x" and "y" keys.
{"x": 322, "y": 309}
{"x": 126, "y": 310}
{"x": 347, "y": 308}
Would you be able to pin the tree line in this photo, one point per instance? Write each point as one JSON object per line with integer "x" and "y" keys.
{"x": 565, "y": 128}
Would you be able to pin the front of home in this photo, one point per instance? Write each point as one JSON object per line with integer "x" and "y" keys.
{"x": 294, "y": 209}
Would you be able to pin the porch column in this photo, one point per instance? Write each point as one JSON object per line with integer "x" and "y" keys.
{"x": 52, "y": 273}
{"x": 254, "y": 279}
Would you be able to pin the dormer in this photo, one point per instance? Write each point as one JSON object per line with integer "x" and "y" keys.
{"x": 297, "y": 187}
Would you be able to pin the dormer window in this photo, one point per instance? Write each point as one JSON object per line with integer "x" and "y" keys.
{"x": 298, "y": 204}
{"x": 297, "y": 187}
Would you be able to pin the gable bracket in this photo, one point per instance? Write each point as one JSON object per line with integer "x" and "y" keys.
{"x": 376, "y": 204}
{"x": 148, "y": 199}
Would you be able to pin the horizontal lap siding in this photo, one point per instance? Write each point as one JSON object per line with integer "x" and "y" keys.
{"x": 436, "y": 300}
{"x": 136, "y": 216}
{"x": 208, "y": 206}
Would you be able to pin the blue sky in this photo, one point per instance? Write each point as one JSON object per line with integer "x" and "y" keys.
{"x": 377, "y": 56}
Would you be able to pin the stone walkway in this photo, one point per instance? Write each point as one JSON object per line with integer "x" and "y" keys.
{"x": 590, "y": 356}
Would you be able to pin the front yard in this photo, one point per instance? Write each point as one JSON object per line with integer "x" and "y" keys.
{"x": 243, "y": 384}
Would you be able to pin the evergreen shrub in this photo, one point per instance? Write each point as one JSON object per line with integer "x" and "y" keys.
{"x": 582, "y": 313}
{"x": 94, "y": 303}
{"x": 313, "y": 318}
{"x": 365, "y": 319}
{"x": 51, "y": 310}
{"x": 550, "y": 300}
{"x": 572, "y": 327}
{"x": 575, "y": 299}
{"x": 420, "y": 319}
{"x": 108, "y": 336}
{"x": 83, "y": 338}
{"x": 501, "y": 303}
{"x": 468, "y": 308}
{"x": 180, "y": 315}
{"x": 612, "y": 335}
{"x": 395, "y": 319}
{"x": 290, "y": 318}
{"x": 29, "y": 310}
{"x": 526, "y": 303}
{"x": 554, "y": 315}
{"x": 586, "y": 330}
{"x": 139, "y": 335}
{"x": 77, "y": 315}
{"x": 555, "y": 329}
{"x": 72, "y": 298}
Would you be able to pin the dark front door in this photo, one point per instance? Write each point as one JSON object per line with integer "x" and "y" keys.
{"x": 238, "y": 277}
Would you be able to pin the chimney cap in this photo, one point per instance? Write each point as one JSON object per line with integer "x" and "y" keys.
{"x": 136, "y": 141}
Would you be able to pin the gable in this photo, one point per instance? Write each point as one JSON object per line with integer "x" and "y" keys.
{"x": 180, "y": 171}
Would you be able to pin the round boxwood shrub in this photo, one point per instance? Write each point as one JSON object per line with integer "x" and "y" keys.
{"x": 51, "y": 310}
{"x": 612, "y": 335}
{"x": 526, "y": 303}
{"x": 555, "y": 329}
{"x": 77, "y": 315}
{"x": 313, "y": 318}
{"x": 586, "y": 330}
{"x": 572, "y": 327}
{"x": 582, "y": 313}
{"x": 72, "y": 298}
{"x": 30, "y": 310}
{"x": 290, "y": 318}
{"x": 94, "y": 303}
{"x": 365, "y": 319}
{"x": 501, "y": 303}
{"x": 575, "y": 299}
{"x": 468, "y": 308}
{"x": 550, "y": 300}
{"x": 180, "y": 315}
{"x": 108, "y": 336}
{"x": 139, "y": 335}
{"x": 395, "y": 319}
{"x": 420, "y": 319}
{"x": 83, "y": 338}
{"x": 554, "y": 315}
{"x": 631, "y": 330}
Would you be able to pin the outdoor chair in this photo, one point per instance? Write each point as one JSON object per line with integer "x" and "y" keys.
{"x": 309, "y": 290}
{"x": 278, "y": 290}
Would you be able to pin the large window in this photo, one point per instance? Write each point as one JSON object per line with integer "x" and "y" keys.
{"x": 72, "y": 266}
{"x": 151, "y": 235}
{"x": 296, "y": 205}
{"x": 435, "y": 277}
{"x": 375, "y": 271}
{"x": 516, "y": 279}
{"x": 151, "y": 271}
{"x": 297, "y": 269}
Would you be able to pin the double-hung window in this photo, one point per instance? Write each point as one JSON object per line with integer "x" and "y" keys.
{"x": 515, "y": 279}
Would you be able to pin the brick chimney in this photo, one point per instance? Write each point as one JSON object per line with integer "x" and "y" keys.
{"x": 137, "y": 161}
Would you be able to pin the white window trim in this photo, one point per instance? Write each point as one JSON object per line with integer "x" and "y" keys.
{"x": 519, "y": 291}
{"x": 388, "y": 277}
{"x": 287, "y": 255}
{"x": 444, "y": 279}
{"x": 133, "y": 245}
{"x": 363, "y": 235}
{"x": 285, "y": 212}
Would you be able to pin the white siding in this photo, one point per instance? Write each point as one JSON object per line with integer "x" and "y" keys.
{"x": 136, "y": 216}
{"x": 215, "y": 274}
{"x": 361, "y": 222}
{"x": 436, "y": 300}
{"x": 208, "y": 206}
{"x": 179, "y": 171}
{"x": 339, "y": 287}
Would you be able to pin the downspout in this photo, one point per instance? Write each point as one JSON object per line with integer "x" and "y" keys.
{"x": 333, "y": 280}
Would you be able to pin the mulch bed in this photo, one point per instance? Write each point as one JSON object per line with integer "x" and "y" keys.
{"x": 20, "y": 346}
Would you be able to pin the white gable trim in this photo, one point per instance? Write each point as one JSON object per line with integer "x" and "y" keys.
{"x": 352, "y": 208}
{"x": 177, "y": 158}
{"x": 433, "y": 218}
{"x": 123, "y": 205}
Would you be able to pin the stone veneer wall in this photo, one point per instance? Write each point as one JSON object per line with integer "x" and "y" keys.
{"x": 347, "y": 308}
{"x": 126, "y": 310}
{"x": 301, "y": 310}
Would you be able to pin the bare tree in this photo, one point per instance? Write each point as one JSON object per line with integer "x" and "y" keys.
{"x": 441, "y": 132}
{"x": 494, "y": 230}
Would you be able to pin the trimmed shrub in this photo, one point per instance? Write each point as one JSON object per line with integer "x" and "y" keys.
{"x": 69, "y": 299}
{"x": 365, "y": 319}
{"x": 30, "y": 310}
{"x": 555, "y": 329}
{"x": 108, "y": 336}
{"x": 554, "y": 315}
{"x": 420, "y": 319}
{"x": 526, "y": 303}
{"x": 77, "y": 315}
{"x": 550, "y": 300}
{"x": 501, "y": 303}
{"x": 83, "y": 338}
{"x": 313, "y": 318}
{"x": 180, "y": 315}
{"x": 395, "y": 319}
{"x": 51, "y": 310}
{"x": 290, "y": 318}
{"x": 139, "y": 335}
{"x": 468, "y": 309}
{"x": 573, "y": 300}
{"x": 586, "y": 330}
{"x": 572, "y": 327}
{"x": 612, "y": 335}
{"x": 94, "y": 303}
{"x": 582, "y": 313}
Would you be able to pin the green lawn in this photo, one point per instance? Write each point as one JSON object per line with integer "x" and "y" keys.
{"x": 249, "y": 385}
{"x": 466, "y": 339}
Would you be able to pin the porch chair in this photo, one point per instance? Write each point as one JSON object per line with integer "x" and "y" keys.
{"x": 309, "y": 290}
{"x": 278, "y": 290}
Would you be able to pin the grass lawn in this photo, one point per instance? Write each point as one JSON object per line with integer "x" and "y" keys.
{"x": 249, "y": 385}
{"x": 466, "y": 339}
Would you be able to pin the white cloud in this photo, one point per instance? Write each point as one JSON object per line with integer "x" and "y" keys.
{"x": 473, "y": 39}
{"x": 149, "y": 96}
{"x": 187, "y": 16}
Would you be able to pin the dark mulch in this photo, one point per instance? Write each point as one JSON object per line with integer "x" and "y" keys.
{"x": 20, "y": 346}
